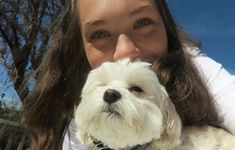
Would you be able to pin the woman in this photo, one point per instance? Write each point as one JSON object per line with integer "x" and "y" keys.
{"x": 95, "y": 31}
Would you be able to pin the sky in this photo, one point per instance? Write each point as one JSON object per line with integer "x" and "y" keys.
{"x": 211, "y": 22}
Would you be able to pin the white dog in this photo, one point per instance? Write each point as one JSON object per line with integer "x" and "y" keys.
{"x": 124, "y": 105}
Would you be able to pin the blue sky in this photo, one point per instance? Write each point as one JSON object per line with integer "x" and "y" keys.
{"x": 211, "y": 22}
{"x": 10, "y": 93}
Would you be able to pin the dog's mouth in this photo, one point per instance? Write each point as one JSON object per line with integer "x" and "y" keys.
{"x": 111, "y": 110}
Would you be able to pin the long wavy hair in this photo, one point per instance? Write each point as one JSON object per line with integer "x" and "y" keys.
{"x": 49, "y": 109}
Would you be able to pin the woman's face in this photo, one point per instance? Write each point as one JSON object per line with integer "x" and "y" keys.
{"x": 116, "y": 29}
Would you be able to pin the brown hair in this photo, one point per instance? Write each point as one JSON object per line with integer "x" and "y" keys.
{"x": 184, "y": 83}
{"x": 49, "y": 108}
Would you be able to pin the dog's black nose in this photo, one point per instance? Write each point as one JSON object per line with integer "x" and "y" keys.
{"x": 111, "y": 96}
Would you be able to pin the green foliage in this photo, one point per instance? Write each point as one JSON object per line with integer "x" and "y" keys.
{"x": 12, "y": 134}
{"x": 9, "y": 112}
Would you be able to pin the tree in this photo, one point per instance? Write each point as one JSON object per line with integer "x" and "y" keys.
{"x": 25, "y": 30}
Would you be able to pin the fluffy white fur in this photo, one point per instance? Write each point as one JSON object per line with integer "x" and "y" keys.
{"x": 137, "y": 117}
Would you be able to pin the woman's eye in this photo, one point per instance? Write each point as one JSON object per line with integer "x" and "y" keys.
{"x": 135, "y": 88}
{"x": 143, "y": 22}
{"x": 99, "y": 34}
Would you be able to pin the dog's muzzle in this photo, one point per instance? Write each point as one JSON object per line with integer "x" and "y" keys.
{"x": 110, "y": 97}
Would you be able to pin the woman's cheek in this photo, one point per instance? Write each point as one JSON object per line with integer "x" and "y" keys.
{"x": 153, "y": 44}
{"x": 96, "y": 57}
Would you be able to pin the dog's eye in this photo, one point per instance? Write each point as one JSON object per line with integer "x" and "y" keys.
{"x": 135, "y": 88}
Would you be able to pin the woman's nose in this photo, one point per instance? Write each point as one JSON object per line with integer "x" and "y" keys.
{"x": 125, "y": 48}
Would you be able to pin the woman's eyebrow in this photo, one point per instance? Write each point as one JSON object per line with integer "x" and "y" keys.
{"x": 93, "y": 23}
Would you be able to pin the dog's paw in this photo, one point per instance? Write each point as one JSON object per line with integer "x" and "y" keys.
{"x": 85, "y": 138}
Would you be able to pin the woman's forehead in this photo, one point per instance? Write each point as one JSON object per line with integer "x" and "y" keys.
{"x": 98, "y": 9}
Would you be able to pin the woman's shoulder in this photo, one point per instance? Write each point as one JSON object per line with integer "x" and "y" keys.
{"x": 209, "y": 68}
{"x": 221, "y": 83}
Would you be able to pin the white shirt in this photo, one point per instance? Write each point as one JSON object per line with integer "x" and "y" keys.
{"x": 70, "y": 140}
{"x": 220, "y": 83}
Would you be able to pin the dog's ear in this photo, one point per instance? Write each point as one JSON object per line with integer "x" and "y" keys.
{"x": 170, "y": 137}
{"x": 172, "y": 124}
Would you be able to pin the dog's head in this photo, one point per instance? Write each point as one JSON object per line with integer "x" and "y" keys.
{"x": 123, "y": 104}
